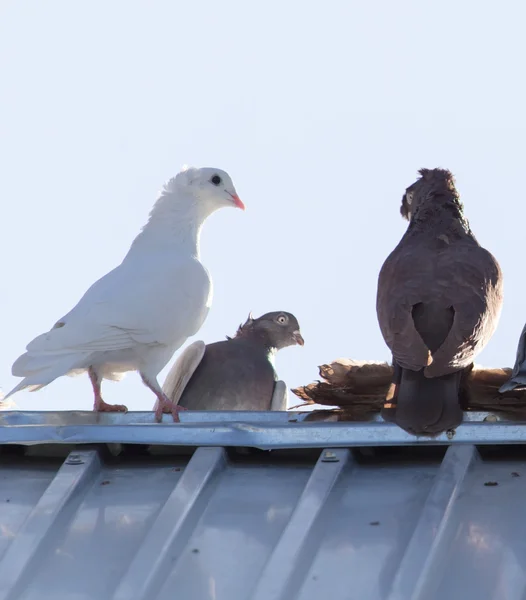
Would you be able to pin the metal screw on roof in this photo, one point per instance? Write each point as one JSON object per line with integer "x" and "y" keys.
{"x": 329, "y": 457}
{"x": 450, "y": 433}
{"x": 74, "y": 459}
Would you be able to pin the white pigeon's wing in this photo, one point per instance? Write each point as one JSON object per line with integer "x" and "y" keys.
{"x": 279, "y": 396}
{"x": 129, "y": 307}
{"x": 182, "y": 371}
{"x": 81, "y": 338}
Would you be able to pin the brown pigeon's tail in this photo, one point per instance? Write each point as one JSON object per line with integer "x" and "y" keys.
{"x": 422, "y": 405}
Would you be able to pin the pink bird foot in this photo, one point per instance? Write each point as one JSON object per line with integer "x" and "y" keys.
{"x": 101, "y": 406}
{"x": 165, "y": 405}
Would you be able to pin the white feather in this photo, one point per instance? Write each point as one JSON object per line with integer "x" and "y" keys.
{"x": 279, "y": 396}
{"x": 182, "y": 371}
{"x": 141, "y": 312}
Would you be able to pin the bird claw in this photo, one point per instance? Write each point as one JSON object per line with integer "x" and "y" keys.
{"x": 102, "y": 406}
{"x": 167, "y": 406}
{"x": 175, "y": 412}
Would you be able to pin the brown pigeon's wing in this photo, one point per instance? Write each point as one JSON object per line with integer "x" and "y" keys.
{"x": 394, "y": 304}
{"x": 433, "y": 321}
{"x": 182, "y": 370}
{"x": 279, "y": 396}
{"x": 474, "y": 290}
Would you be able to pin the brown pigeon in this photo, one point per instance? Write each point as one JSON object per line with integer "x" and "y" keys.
{"x": 438, "y": 303}
{"x": 238, "y": 373}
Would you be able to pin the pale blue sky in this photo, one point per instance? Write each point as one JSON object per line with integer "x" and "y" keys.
{"x": 321, "y": 113}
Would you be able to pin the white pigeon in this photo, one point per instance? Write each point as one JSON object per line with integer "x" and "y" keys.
{"x": 136, "y": 316}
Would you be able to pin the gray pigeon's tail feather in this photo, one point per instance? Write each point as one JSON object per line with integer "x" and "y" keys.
{"x": 425, "y": 406}
{"x": 279, "y": 396}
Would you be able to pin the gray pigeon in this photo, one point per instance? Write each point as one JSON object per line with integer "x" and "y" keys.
{"x": 236, "y": 374}
{"x": 517, "y": 381}
{"x": 438, "y": 304}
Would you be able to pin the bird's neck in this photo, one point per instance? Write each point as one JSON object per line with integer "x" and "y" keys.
{"x": 257, "y": 338}
{"x": 439, "y": 216}
{"x": 174, "y": 227}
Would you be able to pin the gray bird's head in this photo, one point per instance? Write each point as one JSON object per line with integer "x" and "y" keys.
{"x": 275, "y": 329}
{"x": 211, "y": 187}
{"x": 435, "y": 189}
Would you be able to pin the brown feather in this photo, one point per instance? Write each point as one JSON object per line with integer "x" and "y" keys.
{"x": 439, "y": 292}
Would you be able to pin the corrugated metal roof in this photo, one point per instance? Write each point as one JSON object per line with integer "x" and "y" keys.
{"x": 168, "y": 521}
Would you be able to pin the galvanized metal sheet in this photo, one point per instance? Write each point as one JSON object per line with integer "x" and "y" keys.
{"x": 408, "y": 523}
{"x": 266, "y": 430}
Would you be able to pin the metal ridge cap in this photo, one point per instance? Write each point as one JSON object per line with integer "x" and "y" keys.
{"x": 264, "y": 431}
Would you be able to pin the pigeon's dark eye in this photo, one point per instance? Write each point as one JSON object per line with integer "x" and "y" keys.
{"x": 216, "y": 180}
{"x": 282, "y": 319}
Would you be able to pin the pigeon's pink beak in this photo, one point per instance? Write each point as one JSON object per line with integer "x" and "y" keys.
{"x": 237, "y": 201}
{"x": 298, "y": 338}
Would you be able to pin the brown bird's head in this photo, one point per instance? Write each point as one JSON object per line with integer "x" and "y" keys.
{"x": 274, "y": 329}
{"x": 435, "y": 190}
